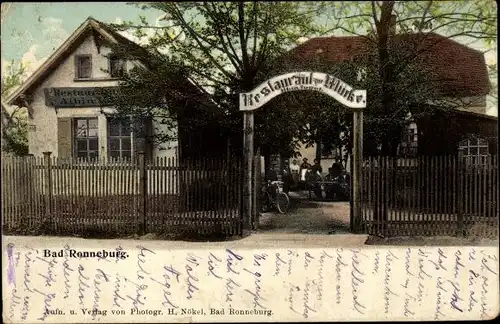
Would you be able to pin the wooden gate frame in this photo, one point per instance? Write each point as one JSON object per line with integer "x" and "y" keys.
{"x": 297, "y": 81}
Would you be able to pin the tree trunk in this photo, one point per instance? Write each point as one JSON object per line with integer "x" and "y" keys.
{"x": 319, "y": 152}
{"x": 383, "y": 26}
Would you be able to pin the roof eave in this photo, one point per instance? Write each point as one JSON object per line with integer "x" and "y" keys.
{"x": 14, "y": 98}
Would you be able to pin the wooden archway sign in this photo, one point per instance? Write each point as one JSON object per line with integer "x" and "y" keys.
{"x": 297, "y": 81}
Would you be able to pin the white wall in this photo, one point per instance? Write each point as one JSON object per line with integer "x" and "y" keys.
{"x": 310, "y": 154}
{"x": 43, "y": 131}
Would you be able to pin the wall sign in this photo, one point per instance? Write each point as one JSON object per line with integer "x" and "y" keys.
{"x": 316, "y": 81}
{"x": 79, "y": 97}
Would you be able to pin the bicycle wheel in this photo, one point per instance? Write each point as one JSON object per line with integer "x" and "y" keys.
{"x": 282, "y": 202}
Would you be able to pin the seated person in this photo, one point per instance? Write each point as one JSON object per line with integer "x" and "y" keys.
{"x": 330, "y": 187}
{"x": 329, "y": 176}
{"x": 340, "y": 182}
{"x": 336, "y": 169}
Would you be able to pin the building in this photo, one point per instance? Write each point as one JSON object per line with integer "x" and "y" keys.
{"x": 463, "y": 76}
{"x": 69, "y": 113}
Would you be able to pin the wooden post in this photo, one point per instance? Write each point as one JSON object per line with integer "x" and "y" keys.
{"x": 48, "y": 184}
{"x": 357, "y": 170}
{"x": 256, "y": 191}
{"x": 460, "y": 174}
{"x": 248, "y": 124}
{"x": 143, "y": 193}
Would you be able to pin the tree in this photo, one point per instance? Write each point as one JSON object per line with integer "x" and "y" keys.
{"x": 14, "y": 122}
{"x": 318, "y": 119}
{"x": 387, "y": 62}
{"x": 396, "y": 82}
{"x": 223, "y": 47}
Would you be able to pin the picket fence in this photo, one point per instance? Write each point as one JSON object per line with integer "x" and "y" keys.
{"x": 77, "y": 197}
{"x": 429, "y": 195}
{"x": 438, "y": 195}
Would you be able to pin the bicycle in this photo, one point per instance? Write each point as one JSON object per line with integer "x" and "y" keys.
{"x": 280, "y": 200}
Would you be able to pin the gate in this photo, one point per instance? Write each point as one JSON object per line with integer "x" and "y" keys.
{"x": 430, "y": 195}
{"x": 256, "y": 192}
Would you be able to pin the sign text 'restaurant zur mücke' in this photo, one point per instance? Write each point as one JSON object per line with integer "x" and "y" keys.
{"x": 316, "y": 81}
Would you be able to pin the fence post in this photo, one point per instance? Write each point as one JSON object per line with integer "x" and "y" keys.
{"x": 48, "y": 184}
{"x": 248, "y": 155}
{"x": 357, "y": 213}
{"x": 255, "y": 192}
{"x": 143, "y": 192}
{"x": 461, "y": 231}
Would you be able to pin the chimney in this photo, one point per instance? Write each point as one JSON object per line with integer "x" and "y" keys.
{"x": 392, "y": 25}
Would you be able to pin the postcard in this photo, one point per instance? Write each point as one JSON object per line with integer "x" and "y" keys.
{"x": 249, "y": 161}
{"x": 73, "y": 281}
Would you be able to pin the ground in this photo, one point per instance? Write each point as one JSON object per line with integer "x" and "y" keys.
{"x": 309, "y": 217}
{"x": 308, "y": 224}
{"x": 431, "y": 241}
{"x": 320, "y": 218}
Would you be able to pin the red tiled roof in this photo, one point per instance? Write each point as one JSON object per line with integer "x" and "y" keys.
{"x": 462, "y": 69}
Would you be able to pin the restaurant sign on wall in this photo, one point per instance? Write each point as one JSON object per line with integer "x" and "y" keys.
{"x": 80, "y": 97}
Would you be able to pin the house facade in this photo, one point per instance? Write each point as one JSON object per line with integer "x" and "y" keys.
{"x": 68, "y": 113}
{"x": 463, "y": 81}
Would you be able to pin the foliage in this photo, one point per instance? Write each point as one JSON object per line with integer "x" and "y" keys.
{"x": 12, "y": 77}
{"x": 397, "y": 84}
{"x": 317, "y": 118}
{"x": 15, "y": 122}
{"x": 222, "y": 47}
{"x": 190, "y": 42}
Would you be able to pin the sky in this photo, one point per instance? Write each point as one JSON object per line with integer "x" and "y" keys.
{"x": 31, "y": 32}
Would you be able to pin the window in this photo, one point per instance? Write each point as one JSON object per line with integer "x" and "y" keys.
{"x": 86, "y": 138}
{"x": 116, "y": 67}
{"x": 119, "y": 138}
{"x": 409, "y": 142}
{"x": 474, "y": 151}
{"x": 83, "y": 66}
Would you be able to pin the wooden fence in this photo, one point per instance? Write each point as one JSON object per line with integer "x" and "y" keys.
{"x": 436, "y": 195}
{"x": 122, "y": 197}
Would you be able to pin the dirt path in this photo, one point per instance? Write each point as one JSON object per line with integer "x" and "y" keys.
{"x": 308, "y": 217}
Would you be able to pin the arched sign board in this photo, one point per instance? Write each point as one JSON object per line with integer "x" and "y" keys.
{"x": 316, "y": 81}
{"x": 297, "y": 81}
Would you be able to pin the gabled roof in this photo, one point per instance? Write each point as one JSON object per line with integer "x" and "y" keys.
{"x": 5, "y": 114}
{"x": 461, "y": 68}
{"x": 88, "y": 27}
